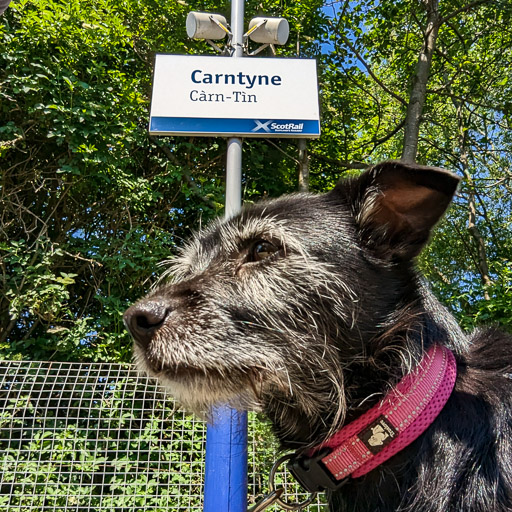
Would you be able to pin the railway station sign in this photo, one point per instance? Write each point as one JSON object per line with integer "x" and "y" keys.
{"x": 234, "y": 97}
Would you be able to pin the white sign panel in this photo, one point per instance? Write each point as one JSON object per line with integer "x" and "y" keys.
{"x": 225, "y": 96}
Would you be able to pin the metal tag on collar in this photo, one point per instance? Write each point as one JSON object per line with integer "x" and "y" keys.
{"x": 311, "y": 473}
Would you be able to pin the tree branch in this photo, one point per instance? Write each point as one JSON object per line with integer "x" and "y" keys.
{"x": 465, "y": 8}
{"x": 390, "y": 134}
{"x": 287, "y": 155}
{"x": 341, "y": 163}
{"x": 419, "y": 83}
{"x": 370, "y": 72}
{"x": 188, "y": 178}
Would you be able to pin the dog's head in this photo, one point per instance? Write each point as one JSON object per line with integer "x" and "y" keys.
{"x": 285, "y": 306}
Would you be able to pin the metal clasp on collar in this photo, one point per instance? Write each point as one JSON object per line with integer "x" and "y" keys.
{"x": 312, "y": 474}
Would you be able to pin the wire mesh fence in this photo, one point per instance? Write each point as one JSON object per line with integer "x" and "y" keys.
{"x": 100, "y": 437}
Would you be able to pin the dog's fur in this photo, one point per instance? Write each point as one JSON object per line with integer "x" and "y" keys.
{"x": 309, "y": 308}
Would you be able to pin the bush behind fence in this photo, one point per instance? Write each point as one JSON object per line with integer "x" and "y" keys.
{"x": 100, "y": 437}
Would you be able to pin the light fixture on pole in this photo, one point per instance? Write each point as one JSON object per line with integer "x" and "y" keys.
{"x": 264, "y": 30}
{"x": 204, "y": 25}
{"x": 268, "y": 32}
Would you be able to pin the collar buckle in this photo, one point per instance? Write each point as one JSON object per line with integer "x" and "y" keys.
{"x": 312, "y": 474}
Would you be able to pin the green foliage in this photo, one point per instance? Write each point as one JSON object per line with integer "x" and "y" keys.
{"x": 449, "y": 265}
{"x": 80, "y": 178}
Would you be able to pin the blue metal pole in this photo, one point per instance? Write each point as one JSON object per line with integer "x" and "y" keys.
{"x": 226, "y": 437}
{"x": 226, "y": 462}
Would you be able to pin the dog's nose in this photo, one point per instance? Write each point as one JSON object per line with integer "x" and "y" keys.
{"x": 144, "y": 318}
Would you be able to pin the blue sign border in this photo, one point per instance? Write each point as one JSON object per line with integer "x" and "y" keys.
{"x": 209, "y": 127}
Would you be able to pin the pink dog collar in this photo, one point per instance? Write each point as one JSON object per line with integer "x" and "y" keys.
{"x": 388, "y": 427}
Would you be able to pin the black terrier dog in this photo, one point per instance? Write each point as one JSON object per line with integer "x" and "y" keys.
{"x": 310, "y": 308}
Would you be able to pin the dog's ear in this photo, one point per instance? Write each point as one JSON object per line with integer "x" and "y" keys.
{"x": 396, "y": 205}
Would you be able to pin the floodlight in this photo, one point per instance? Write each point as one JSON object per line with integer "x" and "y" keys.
{"x": 269, "y": 30}
{"x": 203, "y": 25}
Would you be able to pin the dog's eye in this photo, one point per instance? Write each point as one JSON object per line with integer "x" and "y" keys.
{"x": 261, "y": 250}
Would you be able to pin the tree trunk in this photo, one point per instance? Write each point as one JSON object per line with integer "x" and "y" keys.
{"x": 481, "y": 256}
{"x": 303, "y": 166}
{"x": 483, "y": 267}
{"x": 419, "y": 82}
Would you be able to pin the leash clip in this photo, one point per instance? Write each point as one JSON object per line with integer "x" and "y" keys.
{"x": 267, "y": 501}
{"x": 312, "y": 474}
{"x": 274, "y": 495}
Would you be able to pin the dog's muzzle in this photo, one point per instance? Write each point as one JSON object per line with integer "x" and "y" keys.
{"x": 144, "y": 319}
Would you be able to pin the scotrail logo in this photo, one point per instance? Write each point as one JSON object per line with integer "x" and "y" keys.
{"x": 278, "y": 127}
{"x": 261, "y": 126}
